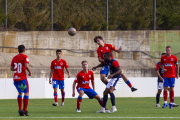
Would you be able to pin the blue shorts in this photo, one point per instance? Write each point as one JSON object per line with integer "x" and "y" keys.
{"x": 89, "y": 92}
{"x": 58, "y": 82}
{"x": 169, "y": 82}
{"x": 104, "y": 70}
{"x": 22, "y": 86}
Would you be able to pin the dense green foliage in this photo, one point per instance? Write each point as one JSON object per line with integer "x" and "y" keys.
{"x": 90, "y": 14}
{"x": 126, "y": 107}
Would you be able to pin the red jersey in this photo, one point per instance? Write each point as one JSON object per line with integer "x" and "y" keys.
{"x": 83, "y": 79}
{"x": 106, "y": 48}
{"x": 18, "y": 62}
{"x": 169, "y": 64}
{"x": 58, "y": 67}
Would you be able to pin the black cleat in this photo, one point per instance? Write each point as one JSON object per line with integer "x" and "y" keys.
{"x": 26, "y": 113}
{"x": 175, "y": 105}
{"x": 133, "y": 89}
{"x": 21, "y": 112}
{"x": 55, "y": 104}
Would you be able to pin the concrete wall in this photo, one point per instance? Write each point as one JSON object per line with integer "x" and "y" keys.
{"x": 40, "y": 88}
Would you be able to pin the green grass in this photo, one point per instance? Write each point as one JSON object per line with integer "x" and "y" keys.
{"x": 127, "y": 107}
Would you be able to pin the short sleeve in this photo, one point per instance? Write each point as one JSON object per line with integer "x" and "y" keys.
{"x": 92, "y": 76}
{"x": 99, "y": 53}
{"x": 157, "y": 66}
{"x": 12, "y": 63}
{"x": 161, "y": 60}
{"x": 112, "y": 47}
{"x": 176, "y": 61}
{"x": 26, "y": 59}
{"x": 115, "y": 64}
{"x": 66, "y": 65}
{"x": 52, "y": 65}
{"x": 77, "y": 78}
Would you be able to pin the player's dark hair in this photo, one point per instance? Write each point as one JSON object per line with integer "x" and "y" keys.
{"x": 58, "y": 51}
{"x": 84, "y": 61}
{"x": 21, "y": 48}
{"x": 107, "y": 54}
{"x": 163, "y": 54}
{"x": 168, "y": 46}
{"x": 97, "y": 37}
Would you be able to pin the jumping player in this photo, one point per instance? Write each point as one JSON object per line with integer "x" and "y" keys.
{"x": 19, "y": 65}
{"x": 83, "y": 79}
{"x": 159, "y": 72}
{"x": 57, "y": 71}
{"x": 103, "y": 48}
{"x": 115, "y": 76}
{"x": 170, "y": 67}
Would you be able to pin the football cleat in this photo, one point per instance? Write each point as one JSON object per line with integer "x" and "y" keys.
{"x": 21, "y": 112}
{"x": 78, "y": 110}
{"x": 165, "y": 105}
{"x": 55, "y": 104}
{"x": 106, "y": 110}
{"x": 113, "y": 110}
{"x": 170, "y": 105}
{"x": 102, "y": 110}
{"x": 62, "y": 104}
{"x": 26, "y": 113}
{"x": 133, "y": 89}
{"x": 157, "y": 105}
{"x": 175, "y": 105}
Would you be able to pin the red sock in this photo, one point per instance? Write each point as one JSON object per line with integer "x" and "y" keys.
{"x": 165, "y": 95}
{"x": 19, "y": 103}
{"x": 129, "y": 83}
{"x": 55, "y": 97}
{"x": 101, "y": 103}
{"x": 25, "y": 104}
{"x": 63, "y": 96}
{"x": 171, "y": 96}
{"x": 79, "y": 103}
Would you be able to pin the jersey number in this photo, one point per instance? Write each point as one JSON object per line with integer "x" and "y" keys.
{"x": 18, "y": 66}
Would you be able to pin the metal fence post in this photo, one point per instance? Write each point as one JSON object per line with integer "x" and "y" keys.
{"x": 154, "y": 14}
{"x": 51, "y": 15}
{"x": 6, "y": 15}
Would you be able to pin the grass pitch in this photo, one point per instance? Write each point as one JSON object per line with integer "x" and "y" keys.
{"x": 128, "y": 108}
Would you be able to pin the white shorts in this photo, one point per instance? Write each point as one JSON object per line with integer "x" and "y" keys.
{"x": 160, "y": 85}
{"x": 115, "y": 82}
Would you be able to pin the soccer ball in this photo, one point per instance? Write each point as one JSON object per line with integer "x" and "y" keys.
{"x": 71, "y": 31}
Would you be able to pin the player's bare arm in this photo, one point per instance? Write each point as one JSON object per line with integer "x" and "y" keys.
{"x": 50, "y": 76}
{"x": 116, "y": 73}
{"x": 157, "y": 71}
{"x": 177, "y": 71}
{"x": 118, "y": 50}
{"x": 73, "y": 87}
{"x": 100, "y": 60}
{"x": 67, "y": 70}
{"x": 161, "y": 66}
{"x": 12, "y": 68}
{"x": 28, "y": 69}
{"x": 93, "y": 84}
{"x": 100, "y": 65}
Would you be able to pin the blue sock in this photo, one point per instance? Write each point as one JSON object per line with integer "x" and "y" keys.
{"x": 157, "y": 98}
{"x": 112, "y": 99}
{"x": 105, "y": 99}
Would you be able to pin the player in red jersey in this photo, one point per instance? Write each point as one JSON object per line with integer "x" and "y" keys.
{"x": 169, "y": 64}
{"x": 19, "y": 65}
{"x": 57, "y": 71}
{"x": 83, "y": 79}
{"x": 103, "y": 48}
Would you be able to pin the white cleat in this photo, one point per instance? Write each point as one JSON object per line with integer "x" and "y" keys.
{"x": 113, "y": 110}
{"x": 78, "y": 110}
{"x": 62, "y": 104}
{"x": 107, "y": 111}
{"x": 157, "y": 105}
{"x": 102, "y": 110}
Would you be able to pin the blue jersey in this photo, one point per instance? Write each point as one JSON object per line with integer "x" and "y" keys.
{"x": 160, "y": 71}
{"x": 113, "y": 65}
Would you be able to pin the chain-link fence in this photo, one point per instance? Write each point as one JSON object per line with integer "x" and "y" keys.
{"x": 89, "y": 15}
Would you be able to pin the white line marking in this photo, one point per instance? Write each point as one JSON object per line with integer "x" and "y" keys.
{"x": 84, "y": 117}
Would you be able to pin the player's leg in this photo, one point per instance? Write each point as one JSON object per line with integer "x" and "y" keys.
{"x": 172, "y": 83}
{"x": 111, "y": 90}
{"x": 128, "y": 82}
{"x": 103, "y": 74}
{"x": 165, "y": 94}
{"x": 103, "y": 78}
{"x": 79, "y": 100}
{"x": 55, "y": 87}
{"x": 26, "y": 96}
{"x": 159, "y": 87}
{"x": 61, "y": 87}
{"x": 174, "y": 104}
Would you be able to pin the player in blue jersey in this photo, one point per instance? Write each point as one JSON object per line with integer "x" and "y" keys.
{"x": 159, "y": 72}
{"x": 115, "y": 76}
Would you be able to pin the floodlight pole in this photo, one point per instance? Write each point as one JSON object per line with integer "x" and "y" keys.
{"x": 107, "y": 15}
{"x": 154, "y": 14}
{"x": 51, "y": 15}
{"x": 5, "y": 15}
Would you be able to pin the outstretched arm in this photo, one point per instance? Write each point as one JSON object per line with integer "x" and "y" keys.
{"x": 118, "y": 50}
{"x": 100, "y": 65}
